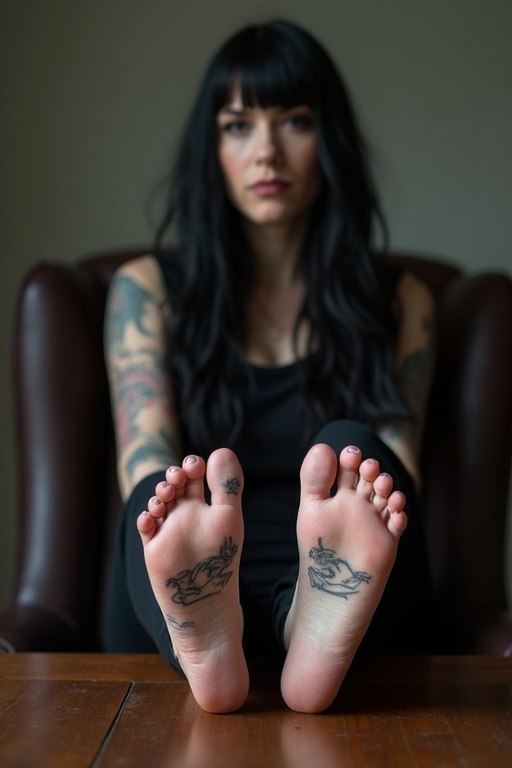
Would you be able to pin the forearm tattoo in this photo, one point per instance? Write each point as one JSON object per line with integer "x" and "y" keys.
{"x": 160, "y": 447}
{"x": 333, "y": 574}
{"x": 139, "y": 376}
{"x": 415, "y": 368}
{"x": 414, "y": 378}
{"x": 137, "y": 387}
{"x": 206, "y": 579}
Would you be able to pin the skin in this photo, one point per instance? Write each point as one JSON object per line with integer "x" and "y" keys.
{"x": 361, "y": 526}
{"x": 147, "y": 434}
{"x": 192, "y": 549}
{"x": 415, "y": 354}
{"x": 269, "y": 160}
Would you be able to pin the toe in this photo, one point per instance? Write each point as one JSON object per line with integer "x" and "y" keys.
{"x": 225, "y": 477}
{"x": 396, "y": 502}
{"x": 176, "y": 477}
{"x": 318, "y": 472}
{"x": 368, "y": 473}
{"x": 397, "y": 520}
{"x": 350, "y": 461}
{"x": 194, "y": 468}
{"x": 156, "y": 507}
{"x": 146, "y": 527}
{"x": 383, "y": 486}
{"x": 165, "y": 492}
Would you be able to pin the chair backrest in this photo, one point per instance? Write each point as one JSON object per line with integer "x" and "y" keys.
{"x": 67, "y": 490}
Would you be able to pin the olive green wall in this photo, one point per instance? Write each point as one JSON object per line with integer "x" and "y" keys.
{"x": 95, "y": 93}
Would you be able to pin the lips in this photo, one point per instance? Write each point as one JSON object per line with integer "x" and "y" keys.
{"x": 269, "y": 188}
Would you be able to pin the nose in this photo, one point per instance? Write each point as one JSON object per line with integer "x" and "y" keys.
{"x": 267, "y": 148}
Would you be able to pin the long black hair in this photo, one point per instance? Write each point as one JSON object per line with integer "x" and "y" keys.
{"x": 350, "y": 366}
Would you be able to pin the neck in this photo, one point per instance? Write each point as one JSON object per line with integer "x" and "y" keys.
{"x": 277, "y": 251}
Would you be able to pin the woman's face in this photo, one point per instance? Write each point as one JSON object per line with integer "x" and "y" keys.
{"x": 269, "y": 160}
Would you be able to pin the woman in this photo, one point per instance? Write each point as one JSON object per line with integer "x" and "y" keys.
{"x": 275, "y": 343}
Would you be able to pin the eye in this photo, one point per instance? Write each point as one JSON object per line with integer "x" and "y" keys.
{"x": 235, "y": 127}
{"x": 300, "y": 121}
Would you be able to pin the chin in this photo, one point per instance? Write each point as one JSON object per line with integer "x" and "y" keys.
{"x": 271, "y": 218}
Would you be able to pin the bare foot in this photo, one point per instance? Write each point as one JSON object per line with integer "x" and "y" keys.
{"x": 192, "y": 552}
{"x": 347, "y": 547}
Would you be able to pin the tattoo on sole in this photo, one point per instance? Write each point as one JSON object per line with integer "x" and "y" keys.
{"x": 333, "y": 574}
{"x": 175, "y": 624}
{"x": 206, "y": 579}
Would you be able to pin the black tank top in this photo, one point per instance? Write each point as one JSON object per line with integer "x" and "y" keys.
{"x": 271, "y": 446}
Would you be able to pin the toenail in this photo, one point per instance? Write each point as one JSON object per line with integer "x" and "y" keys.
{"x": 164, "y": 484}
{"x": 352, "y": 449}
{"x": 191, "y": 460}
{"x": 155, "y": 500}
{"x": 372, "y": 461}
{"x": 173, "y": 469}
{"x": 385, "y": 474}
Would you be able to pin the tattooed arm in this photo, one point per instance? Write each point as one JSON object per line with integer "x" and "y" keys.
{"x": 147, "y": 433}
{"x": 415, "y": 362}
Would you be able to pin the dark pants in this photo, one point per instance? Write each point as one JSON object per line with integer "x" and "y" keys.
{"x": 134, "y": 622}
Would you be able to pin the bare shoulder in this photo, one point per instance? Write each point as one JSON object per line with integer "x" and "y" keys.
{"x": 145, "y": 271}
{"x": 137, "y": 308}
{"x": 414, "y": 294}
{"x": 137, "y": 291}
{"x": 416, "y": 310}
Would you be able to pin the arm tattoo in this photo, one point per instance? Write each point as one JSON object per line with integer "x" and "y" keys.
{"x": 207, "y": 578}
{"x": 415, "y": 368}
{"x": 159, "y": 447}
{"x": 137, "y": 387}
{"x": 126, "y": 304}
{"x": 412, "y": 374}
{"x": 333, "y": 574}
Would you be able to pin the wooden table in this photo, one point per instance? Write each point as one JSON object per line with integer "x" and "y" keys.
{"x": 107, "y": 710}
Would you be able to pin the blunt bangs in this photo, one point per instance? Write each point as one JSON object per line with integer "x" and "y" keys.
{"x": 268, "y": 69}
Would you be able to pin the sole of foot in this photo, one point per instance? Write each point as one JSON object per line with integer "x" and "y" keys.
{"x": 347, "y": 548}
{"x": 192, "y": 552}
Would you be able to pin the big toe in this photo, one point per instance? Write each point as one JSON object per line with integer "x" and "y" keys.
{"x": 318, "y": 472}
{"x": 225, "y": 477}
{"x": 146, "y": 526}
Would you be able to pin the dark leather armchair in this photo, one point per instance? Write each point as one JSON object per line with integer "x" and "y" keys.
{"x": 67, "y": 495}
